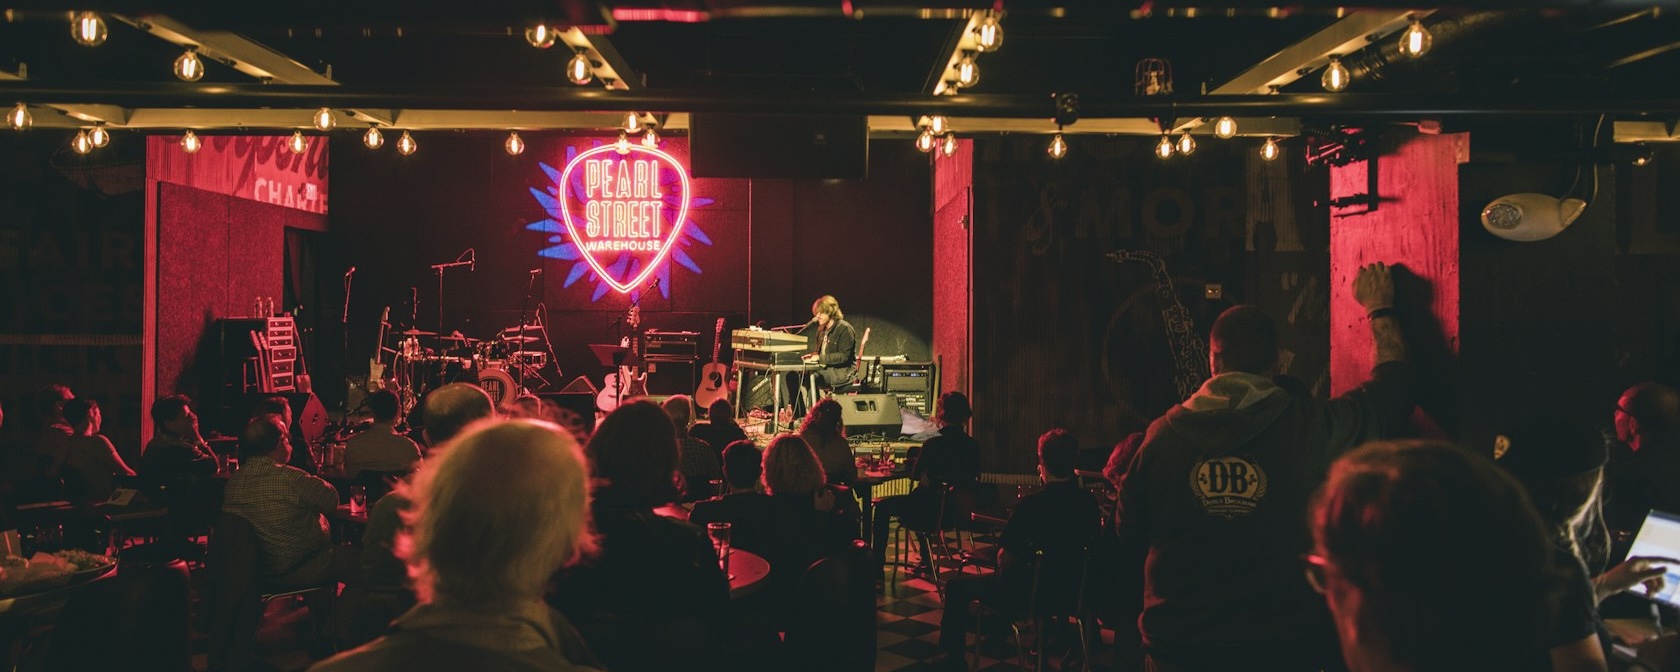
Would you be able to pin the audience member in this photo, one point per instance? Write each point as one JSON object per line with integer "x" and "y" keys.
{"x": 176, "y": 455}
{"x": 54, "y": 436}
{"x": 1217, "y": 493}
{"x": 494, "y": 515}
{"x": 743, "y": 504}
{"x": 825, "y": 429}
{"x": 654, "y": 596}
{"x": 1646, "y": 464}
{"x": 719, "y": 430}
{"x": 303, "y": 452}
{"x": 288, "y": 508}
{"x": 1060, "y": 520}
{"x": 699, "y": 461}
{"x": 91, "y": 462}
{"x": 950, "y": 459}
{"x": 1561, "y": 466}
{"x": 819, "y": 519}
{"x": 1430, "y": 560}
{"x": 381, "y": 448}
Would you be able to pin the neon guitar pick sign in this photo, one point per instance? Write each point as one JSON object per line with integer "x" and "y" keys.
{"x": 624, "y": 209}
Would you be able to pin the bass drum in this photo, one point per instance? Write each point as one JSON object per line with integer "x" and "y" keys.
{"x": 498, "y": 384}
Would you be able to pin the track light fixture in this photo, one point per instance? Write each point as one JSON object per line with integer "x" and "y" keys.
{"x": 406, "y": 144}
{"x": 1225, "y": 128}
{"x": 541, "y": 36}
{"x": 324, "y": 120}
{"x": 578, "y": 69}
{"x": 514, "y": 145}
{"x": 190, "y": 142}
{"x": 88, "y": 29}
{"x": 188, "y": 67}
{"x": 372, "y": 138}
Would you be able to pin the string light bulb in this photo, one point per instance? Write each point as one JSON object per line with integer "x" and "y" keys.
{"x": 651, "y": 138}
{"x": 1058, "y": 146}
{"x": 515, "y": 145}
{"x": 968, "y": 72}
{"x": 1335, "y": 75}
{"x": 88, "y": 29}
{"x": 324, "y": 120}
{"x": 298, "y": 144}
{"x": 406, "y": 144}
{"x": 373, "y": 138}
{"x": 1164, "y": 148}
{"x": 1269, "y": 151}
{"x": 190, "y": 142}
{"x": 540, "y": 36}
{"x": 948, "y": 144}
{"x": 632, "y": 122}
{"x": 19, "y": 118}
{"x": 578, "y": 69}
{"x": 925, "y": 140}
{"x": 99, "y": 136}
{"x": 188, "y": 67}
{"x": 623, "y": 144}
{"x": 1415, "y": 40}
{"x": 82, "y": 143}
{"x": 1186, "y": 144}
{"x": 938, "y": 125}
{"x": 989, "y": 34}
{"x": 1225, "y": 128}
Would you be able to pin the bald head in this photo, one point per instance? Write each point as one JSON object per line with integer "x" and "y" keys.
{"x": 450, "y": 408}
{"x": 1244, "y": 338}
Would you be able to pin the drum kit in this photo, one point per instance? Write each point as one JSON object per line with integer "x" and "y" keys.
{"x": 505, "y": 365}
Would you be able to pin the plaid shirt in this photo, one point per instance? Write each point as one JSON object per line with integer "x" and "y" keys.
{"x": 288, "y": 508}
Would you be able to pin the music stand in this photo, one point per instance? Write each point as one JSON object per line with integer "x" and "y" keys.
{"x": 614, "y": 357}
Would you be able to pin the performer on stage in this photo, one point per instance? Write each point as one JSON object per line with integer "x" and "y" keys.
{"x": 835, "y": 341}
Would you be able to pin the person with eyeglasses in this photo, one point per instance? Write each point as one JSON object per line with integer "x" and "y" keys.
{"x": 1430, "y": 558}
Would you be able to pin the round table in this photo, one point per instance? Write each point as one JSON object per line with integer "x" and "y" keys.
{"x": 747, "y": 573}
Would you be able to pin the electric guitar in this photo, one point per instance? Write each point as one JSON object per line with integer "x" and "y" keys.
{"x": 713, "y": 375}
{"x": 629, "y": 377}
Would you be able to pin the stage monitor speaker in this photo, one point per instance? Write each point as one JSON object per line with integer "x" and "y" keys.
{"x": 778, "y": 145}
{"x": 580, "y": 385}
{"x": 870, "y": 414}
{"x": 309, "y": 416}
{"x": 579, "y": 408}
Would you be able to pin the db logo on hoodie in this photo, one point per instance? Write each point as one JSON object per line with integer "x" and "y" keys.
{"x": 1228, "y": 486}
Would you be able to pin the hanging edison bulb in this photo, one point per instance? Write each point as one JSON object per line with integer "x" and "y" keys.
{"x": 19, "y": 118}
{"x": 188, "y": 67}
{"x": 82, "y": 143}
{"x": 968, "y": 72}
{"x": 324, "y": 120}
{"x": 948, "y": 144}
{"x": 925, "y": 140}
{"x": 1269, "y": 151}
{"x": 1164, "y": 148}
{"x": 989, "y": 34}
{"x": 1186, "y": 144}
{"x": 190, "y": 142}
{"x": 1225, "y": 128}
{"x": 515, "y": 145}
{"x": 632, "y": 122}
{"x": 1058, "y": 147}
{"x": 1416, "y": 40}
{"x": 651, "y": 138}
{"x": 938, "y": 125}
{"x": 88, "y": 29}
{"x": 298, "y": 144}
{"x": 99, "y": 136}
{"x": 1335, "y": 75}
{"x": 540, "y": 36}
{"x": 578, "y": 69}
{"x": 373, "y": 138}
{"x": 623, "y": 143}
{"x": 406, "y": 144}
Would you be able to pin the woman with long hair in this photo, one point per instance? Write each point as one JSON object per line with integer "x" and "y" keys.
{"x": 825, "y": 429}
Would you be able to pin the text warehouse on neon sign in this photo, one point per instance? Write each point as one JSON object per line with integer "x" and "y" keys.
{"x": 627, "y": 207}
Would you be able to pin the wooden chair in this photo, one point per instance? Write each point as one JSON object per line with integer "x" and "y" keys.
{"x": 1056, "y": 591}
{"x": 233, "y": 606}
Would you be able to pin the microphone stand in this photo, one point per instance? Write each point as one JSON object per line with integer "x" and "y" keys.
{"x": 439, "y": 268}
{"x": 519, "y": 368}
{"x": 344, "y": 339}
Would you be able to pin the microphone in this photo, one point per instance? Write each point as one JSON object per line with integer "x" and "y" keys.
{"x": 472, "y": 261}
{"x": 536, "y": 271}
{"x": 350, "y": 272}
{"x": 385, "y": 317}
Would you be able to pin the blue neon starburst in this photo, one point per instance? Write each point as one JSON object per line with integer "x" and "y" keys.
{"x": 624, "y": 265}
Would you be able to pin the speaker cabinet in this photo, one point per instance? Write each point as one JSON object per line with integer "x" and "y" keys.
{"x": 778, "y": 146}
{"x": 870, "y": 414}
{"x": 668, "y": 378}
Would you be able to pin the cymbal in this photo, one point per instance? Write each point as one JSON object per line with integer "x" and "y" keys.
{"x": 528, "y": 329}
{"x": 417, "y": 332}
{"x": 519, "y": 339}
{"x": 458, "y": 337}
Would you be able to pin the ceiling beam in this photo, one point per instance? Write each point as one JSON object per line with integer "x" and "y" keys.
{"x": 82, "y": 114}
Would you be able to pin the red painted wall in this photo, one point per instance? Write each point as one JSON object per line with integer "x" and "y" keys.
{"x": 953, "y": 188}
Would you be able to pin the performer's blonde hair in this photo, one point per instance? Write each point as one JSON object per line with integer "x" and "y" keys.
{"x": 828, "y": 305}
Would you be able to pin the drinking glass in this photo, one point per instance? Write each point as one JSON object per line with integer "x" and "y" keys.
{"x": 719, "y": 532}
{"x": 717, "y": 488}
{"x": 358, "y": 500}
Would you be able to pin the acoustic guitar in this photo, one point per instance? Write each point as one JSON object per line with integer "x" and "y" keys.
{"x": 713, "y": 376}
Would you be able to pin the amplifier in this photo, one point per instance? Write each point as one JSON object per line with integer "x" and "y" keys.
{"x": 915, "y": 384}
{"x": 671, "y": 345}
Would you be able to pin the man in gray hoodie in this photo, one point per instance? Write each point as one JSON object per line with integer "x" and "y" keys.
{"x": 1216, "y": 497}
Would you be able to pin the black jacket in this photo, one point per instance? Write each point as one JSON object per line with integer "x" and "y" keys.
{"x": 839, "y": 361}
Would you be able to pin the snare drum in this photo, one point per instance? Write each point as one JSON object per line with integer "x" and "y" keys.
{"x": 532, "y": 358}
{"x": 498, "y": 384}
